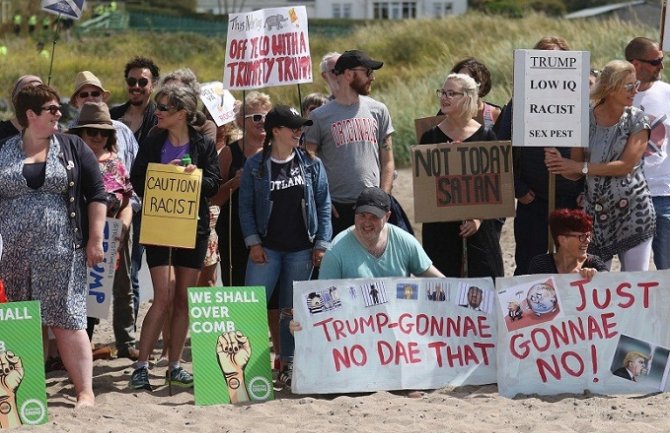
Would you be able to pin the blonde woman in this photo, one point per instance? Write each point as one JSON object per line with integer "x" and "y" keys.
{"x": 443, "y": 241}
{"x": 617, "y": 195}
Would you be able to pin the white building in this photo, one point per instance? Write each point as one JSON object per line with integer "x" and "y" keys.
{"x": 352, "y": 9}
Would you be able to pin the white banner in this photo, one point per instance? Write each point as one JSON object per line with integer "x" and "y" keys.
{"x": 551, "y": 98}
{"x": 562, "y": 334}
{"x": 219, "y": 102}
{"x": 101, "y": 276}
{"x": 362, "y": 335}
{"x": 268, "y": 47}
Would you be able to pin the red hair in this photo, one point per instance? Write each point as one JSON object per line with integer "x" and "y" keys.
{"x": 562, "y": 221}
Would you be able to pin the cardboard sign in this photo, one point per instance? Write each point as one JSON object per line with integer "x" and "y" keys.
{"x": 424, "y": 124}
{"x": 229, "y": 335}
{"x": 362, "y": 335}
{"x": 454, "y": 182}
{"x": 69, "y": 8}
{"x": 268, "y": 47}
{"x": 562, "y": 334}
{"x": 101, "y": 276}
{"x": 170, "y": 206}
{"x": 22, "y": 383}
{"x": 219, "y": 102}
{"x": 551, "y": 98}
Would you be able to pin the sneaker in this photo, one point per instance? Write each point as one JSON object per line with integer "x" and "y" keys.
{"x": 140, "y": 379}
{"x": 179, "y": 377}
{"x": 286, "y": 374}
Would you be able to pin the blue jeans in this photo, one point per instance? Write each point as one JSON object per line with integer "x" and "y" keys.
{"x": 661, "y": 243}
{"x": 286, "y": 268}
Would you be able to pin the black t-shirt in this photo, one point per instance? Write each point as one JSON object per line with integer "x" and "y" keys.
{"x": 286, "y": 229}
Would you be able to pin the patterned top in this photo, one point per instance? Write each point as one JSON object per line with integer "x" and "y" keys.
{"x": 621, "y": 206}
{"x": 117, "y": 183}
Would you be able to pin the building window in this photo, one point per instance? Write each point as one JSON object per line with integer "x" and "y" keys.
{"x": 346, "y": 10}
{"x": 337, "y": 10}
{"x": 394, "y": 10}
{"x": 443, "y": 8}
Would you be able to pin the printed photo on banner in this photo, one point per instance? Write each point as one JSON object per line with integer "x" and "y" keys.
{"x": 475, "y": 298}
{"x": 407, "y": 291}
{"x": 374, "y": 293}
{"x": 530, "y": 304}
{"x": 323, "y": 300}
{"x": 436, "y": 290}
{"x": 641, "y": 362}
{"x": 267, "y": 47}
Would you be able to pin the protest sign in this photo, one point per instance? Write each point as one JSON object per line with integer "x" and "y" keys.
{"x": 563, "y": 334}
{"x": 361, "y": 335}
{"x": 229, "y": 336}
{"x": 101, "y": 276}
{"x": 267, "y": 47}
{"x": 551, "y": 98}
{"x": 68, "y": 8}
{"x": 454, "y": 182}
{"x": 22, "y": 384}
{"x": 219, "y": 102}
{"x": 424, "y": 124}
{"x": 170, "y": 206}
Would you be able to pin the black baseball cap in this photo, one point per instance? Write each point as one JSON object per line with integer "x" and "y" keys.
{"x": 354, "y": 58}
{"x": 373, "y": 200}
{"x": 283, "y": 115}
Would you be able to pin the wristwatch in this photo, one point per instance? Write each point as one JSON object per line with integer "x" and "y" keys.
{"x": 585, "y": 168}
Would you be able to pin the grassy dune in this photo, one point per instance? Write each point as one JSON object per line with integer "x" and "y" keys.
{"x": 417, "y": 55}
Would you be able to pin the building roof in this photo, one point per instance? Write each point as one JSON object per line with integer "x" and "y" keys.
{"x": 592, "y": 12}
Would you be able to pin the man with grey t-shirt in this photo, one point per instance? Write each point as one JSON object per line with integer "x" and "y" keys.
{"x": 352, "y": 136}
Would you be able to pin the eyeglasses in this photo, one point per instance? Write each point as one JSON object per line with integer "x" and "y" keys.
{"x": 93, "y": 94}
{"x": 632, "y": 86}
{"x": 583, "y": 237}
{"x": 163, "y": 107}
{"x": 368, "y": 72}
{"x": 132, "y": 82}
{"x": 53, "y": 109}
{"x": 256, "y": 117}
{"x": 655, "y": 62}
{"x": 94, "y": 132}
{"x": 447, "y": 94}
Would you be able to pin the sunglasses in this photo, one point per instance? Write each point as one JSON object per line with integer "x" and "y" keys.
{"x": 53, "y": 109}
{"x": 632, "y": 86}
{"x": 654, "y": 62}
{"x": 368, "y": 72}
{"x": 93, "y": 94}
{"x": 294, "y": 130}
{"x": 256, "y": 117}
{"x": 163, "y": 107}
{"x": 94, "y": 132}
{"x": 132, "y": 82}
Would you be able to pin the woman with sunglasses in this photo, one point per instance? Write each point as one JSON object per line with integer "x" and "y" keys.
{"x": 173, "y": 271}
{"x": 52, "y": 216}
{"x": 443, "y": 241}
{"x": 571, "y": 231}
{"x": 95, "y": 127}
{"x": 285, "y": 217}
{"x": 616, "y": 194}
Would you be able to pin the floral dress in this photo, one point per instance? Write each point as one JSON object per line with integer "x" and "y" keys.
{"x": 621, "y": 206}
{"x": 40, "y": 261}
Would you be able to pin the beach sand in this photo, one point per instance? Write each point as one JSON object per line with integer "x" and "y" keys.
{"x": 467, "y": 409}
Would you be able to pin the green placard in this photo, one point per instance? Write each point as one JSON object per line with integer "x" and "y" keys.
{"x": 229, "y": 337}
{"x": 22, "y": 384}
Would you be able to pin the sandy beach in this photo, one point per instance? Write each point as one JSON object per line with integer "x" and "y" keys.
{"x": 466, "y": 409}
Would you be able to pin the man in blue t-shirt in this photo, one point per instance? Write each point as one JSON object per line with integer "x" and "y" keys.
{"x": 371, "y": 248}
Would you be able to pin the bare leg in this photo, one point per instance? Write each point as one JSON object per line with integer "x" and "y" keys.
{"x": 157, "y": 314}
{"x": 208, "y": 276}
{"x": 185, "y": 277}
{"x": 75, "y": 350}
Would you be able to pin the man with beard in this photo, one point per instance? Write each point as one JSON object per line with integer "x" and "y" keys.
{"x": 138, "y": 113}
{"x": 352, "y": 136}
{"x": 653, "y": 97}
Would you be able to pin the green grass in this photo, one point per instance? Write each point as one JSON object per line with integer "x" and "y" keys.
{"x": 417, "y": 54}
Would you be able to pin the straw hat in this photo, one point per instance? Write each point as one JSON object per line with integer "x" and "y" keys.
{"x": 86, "y": 77}
{"x": 94, "y": 115}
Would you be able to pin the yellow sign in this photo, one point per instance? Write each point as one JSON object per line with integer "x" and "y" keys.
{"x": 170, "y": 206}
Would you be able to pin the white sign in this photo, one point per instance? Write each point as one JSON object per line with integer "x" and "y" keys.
{"x": 665, "y": 21}
{"x": 219, "y": 102}
{"x": 69, "y": 8}
{"x": 101, "y": 276}
{"x": 268, "y": 47}
{"x": 551, "y": 98}
{"x": 562, "y": 334}
{"x": 362, "y": 335}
